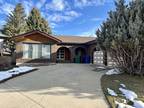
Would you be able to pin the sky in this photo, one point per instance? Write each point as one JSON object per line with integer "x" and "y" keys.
{"x": 65, "y": 17}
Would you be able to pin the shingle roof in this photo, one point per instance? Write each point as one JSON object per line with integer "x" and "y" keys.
{"x": 62, "y": 39}
{"x": 75, "y": 39}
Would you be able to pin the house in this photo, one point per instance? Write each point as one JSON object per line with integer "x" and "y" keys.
{"x": 37, "y": 46}
{"x": 2, "y": 38}
{"x": 5, "y": 61}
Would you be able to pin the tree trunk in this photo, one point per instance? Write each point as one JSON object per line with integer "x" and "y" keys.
{"x": 105, "y": 58}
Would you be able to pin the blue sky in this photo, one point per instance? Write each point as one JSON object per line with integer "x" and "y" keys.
{"x": 66, "y": 17}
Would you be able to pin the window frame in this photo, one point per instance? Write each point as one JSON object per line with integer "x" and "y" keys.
{"x": 31, "y": 44}
{"x": 61, "y": 54}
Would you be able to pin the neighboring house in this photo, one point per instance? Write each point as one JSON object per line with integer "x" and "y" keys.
{"x": 5, "y": 61}
{"x": 2, "y": 38}
{"x": 37, "y": 46}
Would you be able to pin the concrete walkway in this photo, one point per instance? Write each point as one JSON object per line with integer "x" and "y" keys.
{"x": 55, "y": 86}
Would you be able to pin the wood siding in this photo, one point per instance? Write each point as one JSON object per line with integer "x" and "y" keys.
{"x": 34, "y": 38}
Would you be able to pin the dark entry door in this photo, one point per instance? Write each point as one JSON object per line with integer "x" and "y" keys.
{"x": 80, "y": 54}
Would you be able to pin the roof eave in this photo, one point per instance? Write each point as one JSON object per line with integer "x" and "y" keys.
{"x": 40, "y": 32}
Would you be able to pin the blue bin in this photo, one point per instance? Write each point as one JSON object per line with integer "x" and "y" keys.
{"x": 86, "y": 59}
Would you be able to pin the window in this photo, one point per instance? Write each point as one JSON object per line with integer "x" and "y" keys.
{"x": 35, "y": 51}
{"x": 45, "y": 51}
{"x": 61, "y": 54}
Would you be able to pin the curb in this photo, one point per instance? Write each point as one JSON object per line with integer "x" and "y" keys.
{"x": 110, "y": 106}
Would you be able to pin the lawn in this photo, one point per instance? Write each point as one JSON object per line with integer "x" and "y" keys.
{"x": 134, "y": 83}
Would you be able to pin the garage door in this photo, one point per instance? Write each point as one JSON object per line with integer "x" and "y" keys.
{"x": 98, "y": 57}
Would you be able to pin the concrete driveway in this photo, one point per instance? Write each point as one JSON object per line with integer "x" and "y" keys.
{"x": 54, "y": 86}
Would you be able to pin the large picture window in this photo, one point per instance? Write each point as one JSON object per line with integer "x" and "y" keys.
{"x": 36, "y": 51}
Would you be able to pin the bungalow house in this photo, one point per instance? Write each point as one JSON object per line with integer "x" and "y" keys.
{"x": 37, "y": 46}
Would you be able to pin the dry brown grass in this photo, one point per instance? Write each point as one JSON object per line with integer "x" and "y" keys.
{"x": 134, "y": 83}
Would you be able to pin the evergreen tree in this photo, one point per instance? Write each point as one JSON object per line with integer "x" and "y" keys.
{"x": 45, "y": 26}
{"x": 123, "y": 35}
{"x": 36, "y": 22}
{"x": 16, "y": 23}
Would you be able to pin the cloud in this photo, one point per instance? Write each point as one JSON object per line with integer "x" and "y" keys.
{"x": 53, "y": 25}
{"x": 6, "y": 8}
{"x": 83, "y": 3}
{"x": 112, "y": 1}
{"x": 72, "y": 13}
{"x": 27, "y": 6}
{"x": 96, "y": 19}
{"x": 57, "y": 5}
{"x": 66, "y": 16}
{"x": 2, "y": 22}
{"x": 40, "y": 3}
{"x": 1, "y": 1}
{"x": 89, "y": 33}
{"x": 59, "y": 18}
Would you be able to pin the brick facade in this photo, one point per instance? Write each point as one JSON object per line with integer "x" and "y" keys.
{"x": 71, "y": 43}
